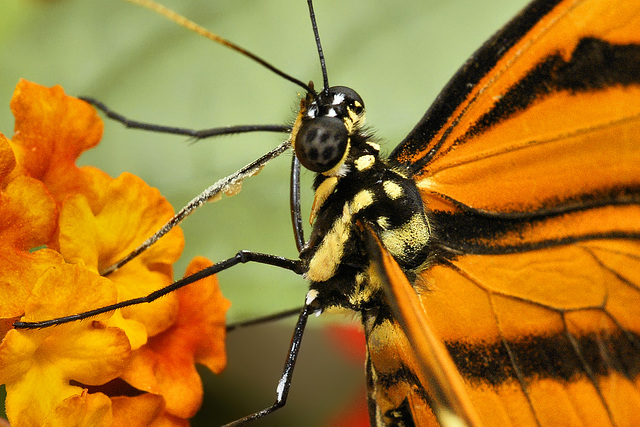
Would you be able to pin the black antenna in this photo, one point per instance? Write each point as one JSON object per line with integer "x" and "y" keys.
{"x": 323, "y": 65}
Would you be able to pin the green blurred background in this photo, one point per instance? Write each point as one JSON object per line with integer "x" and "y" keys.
{"x": 397, "y": 55}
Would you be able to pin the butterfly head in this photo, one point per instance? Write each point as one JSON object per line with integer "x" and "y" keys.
{"x": 322, "y": 133}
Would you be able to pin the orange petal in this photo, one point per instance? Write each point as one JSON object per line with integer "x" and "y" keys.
{"x": 147, "y": 409}
{"x": 168, "y": 420}
{"x": 166, "y": 364}
{"x": 75, "y": 348}
{"x": 52, "y": 130}
{"x": 97, "y": 182}
{"x": 203, "y": 309}
{"x": 126, "y": 213}
{"x": 136, "y": 331}
{"x": 78, "y": 237}
{"x": 19, "y": 272}
{"x": 29, "y": 215}
{"x": 7, "y": 158}
{"x": 29, "y": 220}
{"x": 137, "y": 411}
{"x": 83, "y": 410}
{"x": 136, "y": 280}
{"x": 132, "y": 212}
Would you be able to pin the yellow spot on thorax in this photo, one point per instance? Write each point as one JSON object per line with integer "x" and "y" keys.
{"x": 364, "y": 289}
{"x": 415, "y": 233}
{"x": 383, "y": 222}
{"x": 364, "y": 162}
{"x": 360, "y": 201}
{"x": 374, "y": 145}
{"x": 393, "y": 190}
{"x": 323, "y": 191}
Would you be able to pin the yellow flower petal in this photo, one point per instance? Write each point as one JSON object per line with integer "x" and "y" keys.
{"x": 168, "y": 420}
{"x": 93, "y": 220}
{"x": 125, "y": 214}
{"x": 39, "y": 366}
{"x": 82, "y": 410}
{"x": 136, "y": 331}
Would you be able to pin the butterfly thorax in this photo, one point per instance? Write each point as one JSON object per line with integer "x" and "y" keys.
{"x": 356, "y": 187}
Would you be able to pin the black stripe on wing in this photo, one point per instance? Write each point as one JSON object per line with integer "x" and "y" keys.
{"x": 476, "y": 67}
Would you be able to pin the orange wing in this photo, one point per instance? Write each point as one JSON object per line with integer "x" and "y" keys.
{"x": 530, "y": 163}
{"x": 414, "y": 351}
{"x": 547, "y": 111}
{"x": 544, "y": 337}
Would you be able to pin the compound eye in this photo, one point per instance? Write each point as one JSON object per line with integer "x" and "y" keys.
{"x": 351, "y": 98}
{"x": 321, "y": 143}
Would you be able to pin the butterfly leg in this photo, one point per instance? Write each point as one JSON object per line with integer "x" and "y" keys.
{"x": 196, "y": 134}
{"x": 240, "y": 258}
{"x": 282, "y": 391}
{"x": 294, "y": 203}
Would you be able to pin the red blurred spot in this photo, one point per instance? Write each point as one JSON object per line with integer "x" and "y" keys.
{"x": 349, "y": 340}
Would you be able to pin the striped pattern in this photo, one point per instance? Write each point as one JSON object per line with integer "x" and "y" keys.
{"x": 524, "y": 180}
{"x": 534, "y": 186}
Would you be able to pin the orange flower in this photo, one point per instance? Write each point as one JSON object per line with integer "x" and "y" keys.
{"x": 61, "y": 226}
{"x": 37, "y": 366}
{"x": 98, "y": 237}
{"x": 51, "y": 131}
{"x": 166, "y": 364}
{"x": 7, "y": 158}
{"x": 29, "y": 219}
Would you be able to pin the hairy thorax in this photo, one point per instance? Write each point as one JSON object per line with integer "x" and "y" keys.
{"x": 368, "y": 191}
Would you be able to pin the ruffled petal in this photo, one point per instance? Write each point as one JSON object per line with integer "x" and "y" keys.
{"x": 52, "y": 130}
{"x": 29, "y": 220}
{"x": 125, "y": 214}
{"x": 166, "y": 365}
{"x": 82, "y": 410}
{"x": 7, "y": 158}
{"x": 62, "y": 226}
{"x": 40, "y": 366}
{"x": 137, "y": 411}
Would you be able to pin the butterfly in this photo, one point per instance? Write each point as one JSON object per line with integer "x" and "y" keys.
{"x": 505, "y": 227}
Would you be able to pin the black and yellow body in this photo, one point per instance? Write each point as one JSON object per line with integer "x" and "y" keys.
{"x": 360, "y": 187}
{"x": 513, "y": 212}
{"x": 356, "y": 187}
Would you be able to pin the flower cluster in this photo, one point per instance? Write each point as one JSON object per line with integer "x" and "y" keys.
{"x": 60, "y": 226}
